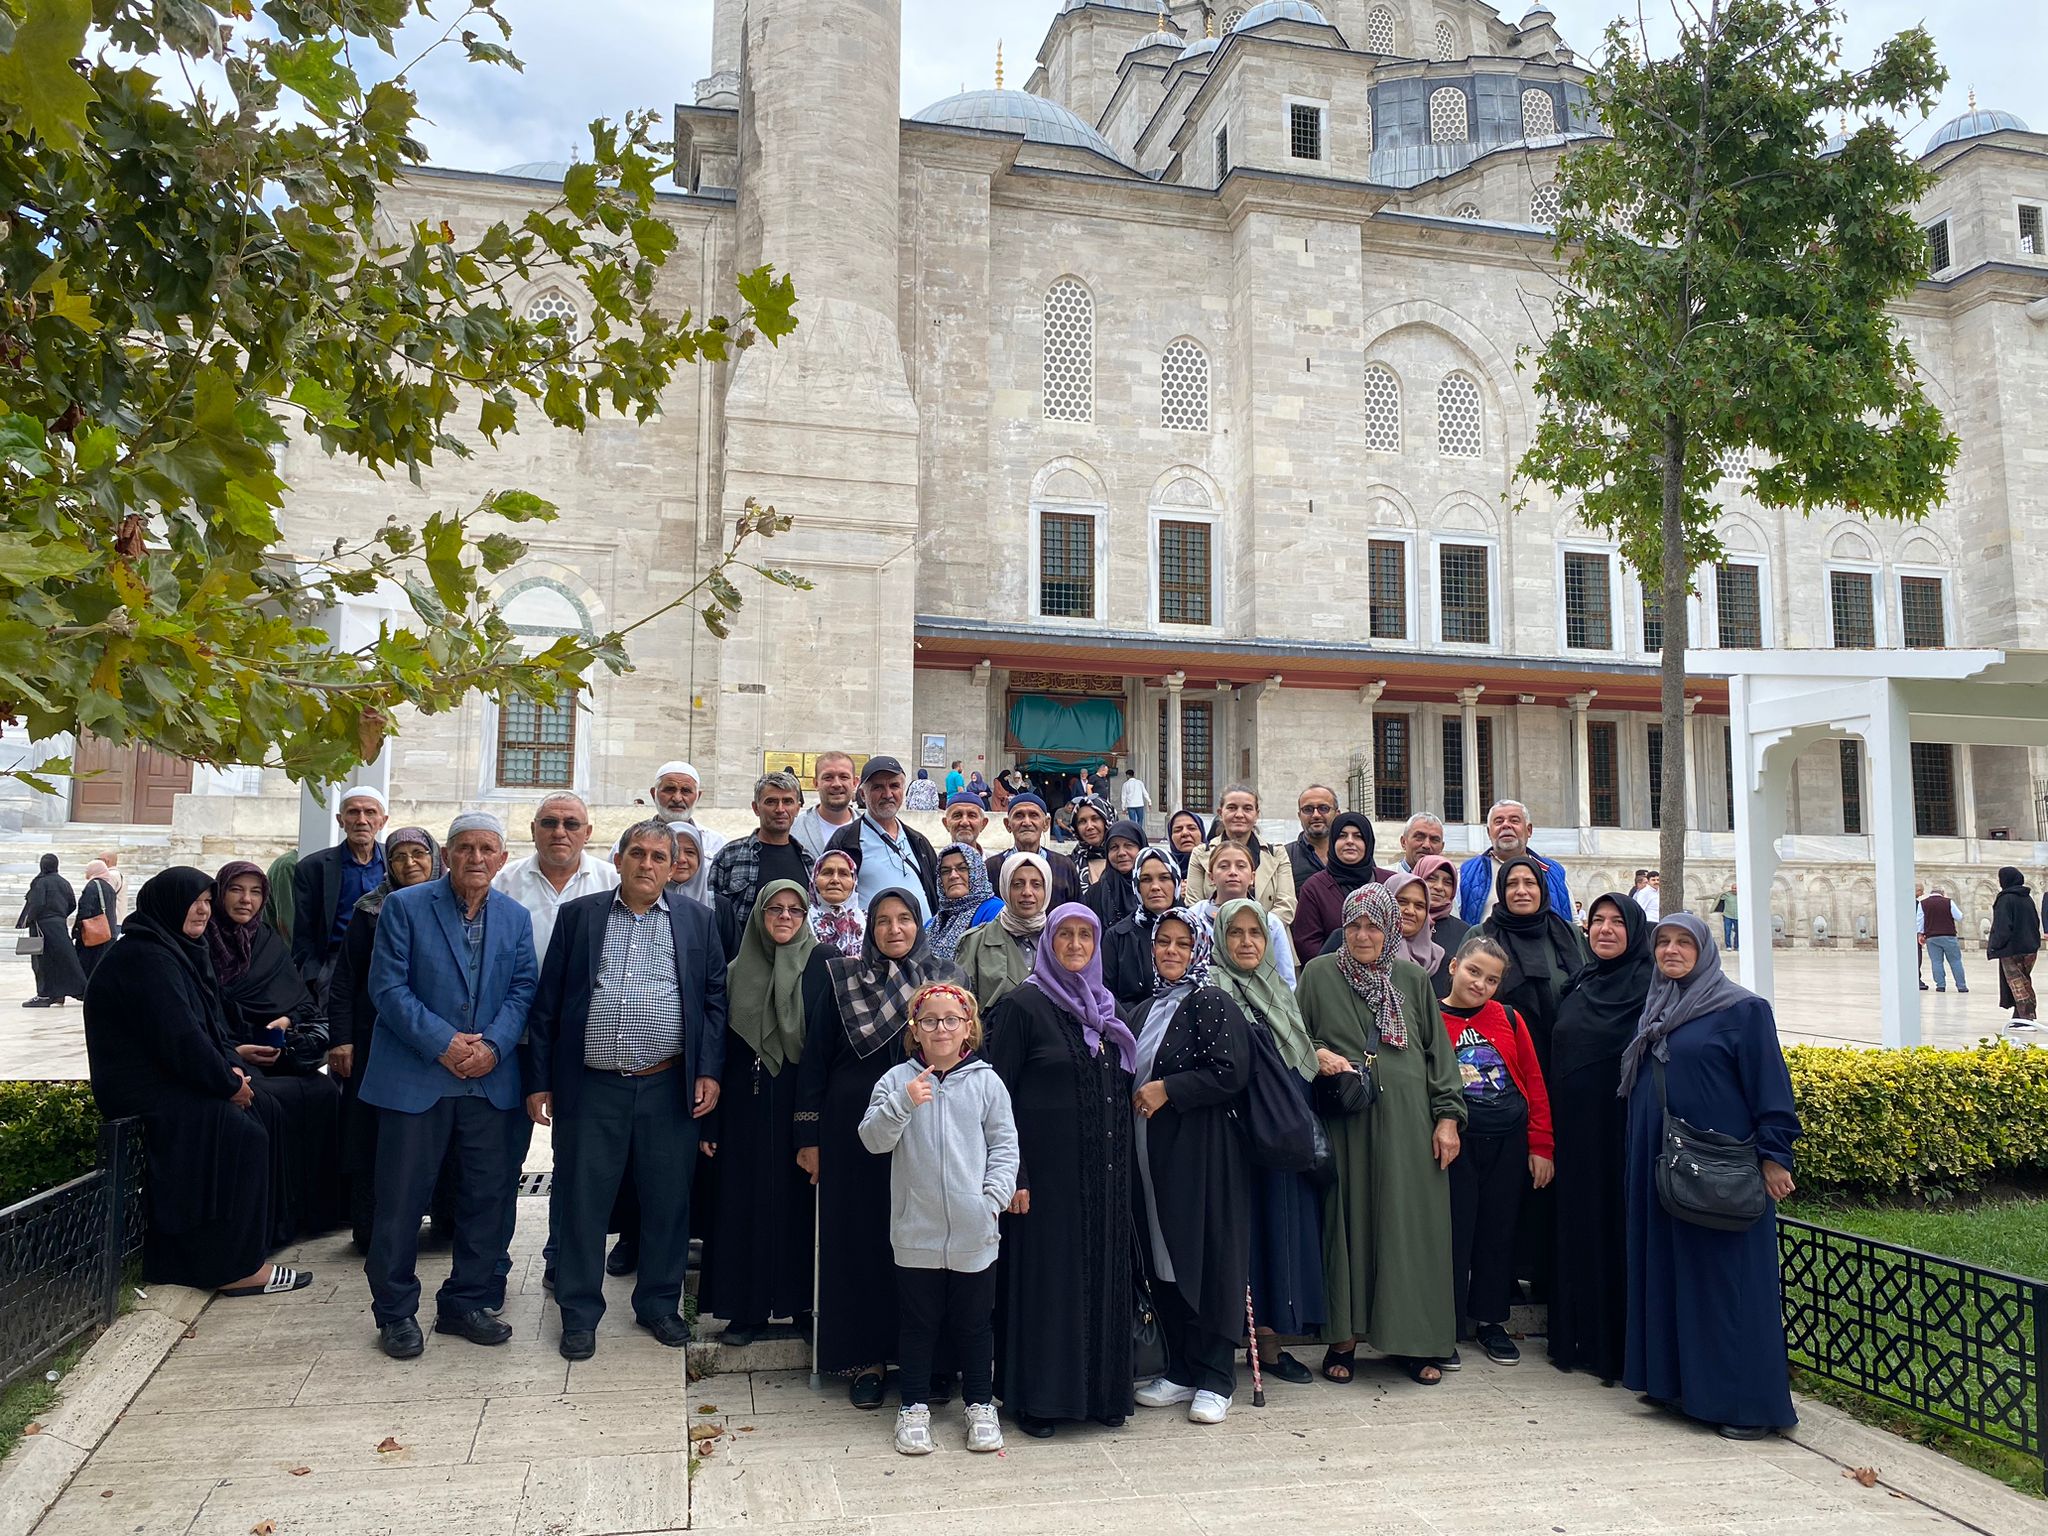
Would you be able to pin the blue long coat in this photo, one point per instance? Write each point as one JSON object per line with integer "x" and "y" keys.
{"x": 1705, "y": 1327}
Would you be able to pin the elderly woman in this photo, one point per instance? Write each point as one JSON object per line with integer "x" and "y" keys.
{"x": 997, "y": 956}
{"x": 1347, "y": 867}
{"x": 1063, "y": 1315}
{"x": 1184, "y": 834}
{"x": 757, "y": 1249}
{"x": 1127, "y": 946}
{"x": 49, "y": 902}
{"x": 1115, "y": 896}
{"x": 1232, "y": 877}
{"x": 837, "y": 920}
{"x": 1705, "y": 1330}
{"x": 1419, "y": 944}
{"x": 1091, "y": 840}
{"x": 1194, "y": 1060}
{"x": 1602, "y": 1007}
{"x": 1387, "y": 1222}
{"x": 855, "y": 1011}
{"x": 966, "y": 900}
{"x": 1287, "y": 1222}
{"x": 157, "y": 1045}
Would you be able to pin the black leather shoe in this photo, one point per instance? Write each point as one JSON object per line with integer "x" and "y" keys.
{"x": 670, "y": 1330}
{"x": 1287, "y": 1368}
{"x": 867, "y": 1390}
{"x": 1037, "y": 1429}
{"x": 479, "y": 1327}
{"x": 1743, "y": 1431}
{"x": 401, "y": 1340}
{"x": 578, "y": 1343}
{"x": 624, "y": 1257}
{"x": 740, "y": 1335}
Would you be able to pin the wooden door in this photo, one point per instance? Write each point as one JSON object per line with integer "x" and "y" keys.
{"x": 159, "y": 779}
{"x": 125, "y": 784}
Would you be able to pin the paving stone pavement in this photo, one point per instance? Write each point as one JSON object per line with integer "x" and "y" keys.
{"x": 514, "y": 1441}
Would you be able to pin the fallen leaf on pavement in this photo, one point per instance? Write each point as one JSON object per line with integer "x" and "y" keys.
{"x": 263, "y": 1528}
{"x": 707, "y": 1407}
{"x": 300, "y": 1471}
{"x": 746, "y": 1429}
{"x": 388, "y": 1444}
{"x": 106, "y": 1493}
{"x": 33, "y": 1429}
{"x": 703, "y": 1432}
{"x": 191, "y": 1333}
{"x": 1867, "y": 1476}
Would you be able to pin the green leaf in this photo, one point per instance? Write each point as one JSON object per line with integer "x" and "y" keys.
{"x": 65, "y": 302}
{"x": 579, "y": 189}
{"x": 23, "y": 441}
{"x": 441, "y": 547}
{"x": 500, "y": 551}
{"x": 481, "y": 52}
{"x": 25, "y": 560}
{"x": 40, "y": 92}
{"x": 315, "y": 70}
{"x": 520, "y": 506}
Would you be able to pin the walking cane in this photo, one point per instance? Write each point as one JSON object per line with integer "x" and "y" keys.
{"x": 817, "y": 1383}
{"x": 1251, "y": 1333}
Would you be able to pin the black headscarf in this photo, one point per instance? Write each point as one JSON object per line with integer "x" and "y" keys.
{"x": 253, "y": 968}
{"x": 1179, "y": 858}
{"x": 1603, "y": 1003}
{"x": 1350, "y": 877}
{"x": 1115, "y": 897}
{"x": 229, "y": 944}
{"x": 47, "y": 864}
{"x": 159, "y": 918}
{"x": 1543, "y": 948}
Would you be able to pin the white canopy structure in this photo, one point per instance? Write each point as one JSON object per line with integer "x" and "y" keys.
{"x": 1783, "y": 701}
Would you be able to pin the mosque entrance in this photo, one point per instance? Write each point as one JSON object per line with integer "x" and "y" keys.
{"x": 1056, "y": 724}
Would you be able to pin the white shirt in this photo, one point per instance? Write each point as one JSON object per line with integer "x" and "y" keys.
{"x": 813, "y": 831}
{"x": 1651, "y": 900}
{"x": 1136, "y": 795}
{"x": 525, "y": 884}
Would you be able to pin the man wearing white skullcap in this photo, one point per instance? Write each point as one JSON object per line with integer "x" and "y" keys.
{"x": 327, "y": 885}
{"x": 675, "y": 790}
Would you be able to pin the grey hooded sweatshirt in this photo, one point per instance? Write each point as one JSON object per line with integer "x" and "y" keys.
{"x": 955, "y": 1163}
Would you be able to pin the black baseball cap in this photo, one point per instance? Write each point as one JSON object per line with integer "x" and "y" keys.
{"x": 877, "y": 765}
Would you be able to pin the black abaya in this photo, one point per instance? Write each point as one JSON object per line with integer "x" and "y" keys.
{"x": 757, "y": 1248}
{"x": 58, "y": 972}
{"x": 1063, "y": 1314}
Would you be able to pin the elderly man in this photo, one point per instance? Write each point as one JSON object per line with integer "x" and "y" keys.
{"x": 1508, "y": 829}
{"x": 1237, "y": 821}
{"x": 452, "y": 975}
{"x": 892, "y": 854}
{"x": 327, "y": 885}
{"x": 559, "y": 869}
{"x": 762, "y": 857}
{"x": 1029, "y": 821}
{"x": 675, "y": 792}
{"x": 627, "y": 1046}
{"x": 1936, "y": 926}
{"x": 835, "y": 779}
{"x": 965, "y": 820}
{"x": 1309, "y": 852}
{"x": 1421, "y": 835}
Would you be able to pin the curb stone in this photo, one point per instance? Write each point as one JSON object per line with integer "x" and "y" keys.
{"x": 1923, "y": 1475}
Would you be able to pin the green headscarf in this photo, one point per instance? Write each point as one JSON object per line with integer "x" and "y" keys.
{"x": 764, "y": 985}
{"x": 1262, "y": 991}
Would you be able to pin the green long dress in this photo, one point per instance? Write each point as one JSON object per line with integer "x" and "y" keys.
{"x": 1387, "y": 1221}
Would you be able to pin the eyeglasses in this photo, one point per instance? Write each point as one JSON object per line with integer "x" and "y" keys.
{"x": 940, "y": 1026}
{"x": 1319, "y": 810}
{"x": 559, "y": 823}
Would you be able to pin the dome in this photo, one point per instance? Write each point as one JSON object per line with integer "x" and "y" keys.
{"x": 1974, "y": 124}
{"x": 1037, "y": 119}
{"x": 1280, "y": 10}
{"x": 537, "y": 170}
{"x": 1161, "y": 38}
{"x": 1539, "y": 15}
{"x": 1200, "y": 47}
{"x": 1114, "y": 5}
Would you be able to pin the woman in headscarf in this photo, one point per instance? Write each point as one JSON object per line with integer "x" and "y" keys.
{"x": 855, "y": 1010}
{"x": 1287, "y": 1220}
{"x": 923, "y": 793}
{"x": 1115, "y": 896}
{"x": 997, "y": 955}
{"x": 2014, "y": 942}
{"x": 836, "y": 917}
{"x": 1184, "y": 834}
{"x": 692, "y": 874}
{"x": 98, "y": 899}
{"x": 411, "y": 857}
{"x": 1706, "y": 1332}
{"x": 757, "y": 1247}
{"x": 1418, "y": 944}
{"x": 1063, "y": 1314}
{"x": 1387, "y": 1222}
{"x": 1194, "y": 1175}
{"x": 1601, "y": 1009}
{"x": 1127, "y": 946}
{"x": 1440, "y": 879}
{"x": 1347, "y": 867}
{"x": 1091, "y": 840}
{"x": 157, "y": 1046}
{"x": 50, "y": 901}
{"x": 966, "y": 899}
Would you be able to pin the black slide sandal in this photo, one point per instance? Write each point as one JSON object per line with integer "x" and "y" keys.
{"x": 1416, "y": 1367}
{"x": 1345, "y": 1360}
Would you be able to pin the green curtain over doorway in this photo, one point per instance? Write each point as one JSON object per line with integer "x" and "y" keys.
{"x": 1050, "y": 733}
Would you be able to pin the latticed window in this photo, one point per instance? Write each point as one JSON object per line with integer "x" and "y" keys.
{"x": 1447, "y": 116}
{"x": 1232, "y": 17}
{"x": 1588, "y": 602}
{"x": 1730, "y": 463}
{"x": 1184, "y": 573}
{"x": 1937, "y": 246}
{"x": 1382, "y": 409}
{"x": 1739, "y": 607}
{"x": 1197, "y": 776}
{"x": 1304, "y": 131}
{"x": 536, "y": 744}
{"x": 1468, "y": 211}
{"x": 1454, "y": 767}
{"x": 553, "y": 304}
{"x": 1387, "y": 588}
{"x": 1656, "y": 747}
{"x": 1069, "y": 352}
{"x": 1653, "y": 618}
{"x": 1539, "y": 115}
{"x": 1458, "y": 428}
{"x": 1222, "y": 153}
{"x": 1391, "y": 794}
{"x": 1603, "y": 774}
{"x": 1379, "y": 30}
{"x": 1184, "y": 387}
{"x": 1545, "y": 202}
{"x": 1922, "y": 619}
{"x": 1852, "y": 786}
{"x": 1854, "y": 607}
{"x": 1462, "y": 598}
{"x": 1934, "y": 789}
{"x": 1446, "y": 39}
{"x": 1066, "y": 565}
{"x": 2030, "y": 230}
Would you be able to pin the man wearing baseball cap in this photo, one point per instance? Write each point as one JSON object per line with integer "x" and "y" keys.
{"x": 892, "y": 854}
{"x": 327, "y": 885}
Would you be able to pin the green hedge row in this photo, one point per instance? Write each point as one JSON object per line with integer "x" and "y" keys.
{"x": 49, "y": 1132}
{"x": 1887, "y": 1121}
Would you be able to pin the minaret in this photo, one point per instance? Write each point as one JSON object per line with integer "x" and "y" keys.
{"x": 721, "y": 88}
{"x": 823, "y": 427}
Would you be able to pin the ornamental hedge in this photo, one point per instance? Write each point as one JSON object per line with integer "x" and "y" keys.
{"x": 1886, "y": 1121}
{"x": 49, "y": 1132}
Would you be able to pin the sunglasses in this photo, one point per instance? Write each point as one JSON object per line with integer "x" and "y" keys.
{"x": 560, "y": 824}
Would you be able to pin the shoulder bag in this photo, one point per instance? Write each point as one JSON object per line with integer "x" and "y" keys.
{"x": 1148, "y": 1343}
{"x": 1705, "y": 1177}
{"x": 1339, "y": 1095}
{"x": 96, "y": 930}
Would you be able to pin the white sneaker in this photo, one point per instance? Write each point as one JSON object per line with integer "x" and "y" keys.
{"x": 1164, "y": 1394}
{"x": 984, "y": 1432}
{"x": 914, "y": 1430}
{"x": 2021, "y": 1024}
{"x": 1208, "y": 1408}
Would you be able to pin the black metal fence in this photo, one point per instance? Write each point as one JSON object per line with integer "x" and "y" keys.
{"x": 1952, "y": 1342}
{"x": 65, "y": 1252}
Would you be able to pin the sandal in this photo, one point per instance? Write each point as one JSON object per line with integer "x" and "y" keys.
{"x": 281, "y": 1279}
{"x": 867, "y": 1390}
{"x": 1419, "y": 1371}
{"x": 1337, "y": 1360}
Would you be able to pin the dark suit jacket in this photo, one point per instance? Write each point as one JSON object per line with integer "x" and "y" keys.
{"x": 316, "y": 886}
{"x": 552, "y": 1058}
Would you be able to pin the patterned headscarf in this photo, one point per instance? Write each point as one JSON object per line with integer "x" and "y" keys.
{"x": 1101, "y": 806}
{"x": 372, "y": 901}
{"x": 874, "y": 991}
{"x": 1375, "y": 983}
{"x": 1143, "y": 917}
{"x": 1198, "y": 966}
{"x": 950, "y": 923}
{"x": 839, "y": 928}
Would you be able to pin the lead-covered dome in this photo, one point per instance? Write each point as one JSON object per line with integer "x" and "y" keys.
{"x": 1974, "y": 124}
{"x": 1280, "y": 10}
{"x": 1200, "y": 47}
{"x": 1003, "y": 111}
{"x": 1160, "y": 39}
{"x": 537, "y": 170}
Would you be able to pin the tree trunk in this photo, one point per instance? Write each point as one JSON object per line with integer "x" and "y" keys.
{"x": 1671, "y": 692}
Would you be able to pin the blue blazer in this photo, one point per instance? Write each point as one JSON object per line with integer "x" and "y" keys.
{"x": 419, "y": 980}
{"x": 552, "y": 1057}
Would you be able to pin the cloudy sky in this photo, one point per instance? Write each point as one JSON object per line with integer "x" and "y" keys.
{"x": 605, "y": 57}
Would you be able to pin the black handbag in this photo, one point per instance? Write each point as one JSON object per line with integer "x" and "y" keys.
{"x": 1148, "y": 1343}
{"x": 1705, "y": 1177}
{"x": 1339, "y": 1095}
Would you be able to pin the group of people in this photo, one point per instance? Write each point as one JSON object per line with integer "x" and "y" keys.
{"x": 1248, "y": 1093}
{"x": 64, "y": 932}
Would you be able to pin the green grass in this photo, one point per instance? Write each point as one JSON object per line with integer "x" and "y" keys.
{"x": 29, "y": 1399}
{"x": 2007, "y": 1234}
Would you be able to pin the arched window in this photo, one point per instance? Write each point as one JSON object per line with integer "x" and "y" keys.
{"x": 534, "y": 745}
{"x": 1543, "y": 204}
{"x": 1446, "y": 39}
{"x": 1459, "y": 432}
{"x": 1379, "y": 30}
{"x": 1539, "y": 115}
{"x": 1184, "y": 387}
{"x": 1467, "y": 211}
{"x": 1447, "y": 116}
{"x": 553, "y": 304}
{"x": 1069, "y": 352}
{"x": 1382, "y": 409}
{"x": 1232, "y": 17}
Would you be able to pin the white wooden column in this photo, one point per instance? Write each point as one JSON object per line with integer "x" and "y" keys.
{"x": 1889, "y": 802}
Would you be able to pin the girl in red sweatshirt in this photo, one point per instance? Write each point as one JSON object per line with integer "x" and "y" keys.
{"x": 1506, "y": 1146}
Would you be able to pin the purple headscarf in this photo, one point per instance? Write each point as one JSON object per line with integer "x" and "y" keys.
{"x": 1081, "y": 993}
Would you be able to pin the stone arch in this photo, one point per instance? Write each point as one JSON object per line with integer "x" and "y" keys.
{"x": 1067, "y": 478}
{"x": 573, "y": 597}
{"x": 1850, "y": 540}
{"x": 1922, "y": 546}
{"x": 1462, "y": 512}
{"x": 1740, "y": 533}
{"x": 1379, "y": 494}
{"x": 1493, "y": 367}
{"x": 1820, "y": 902}
{"x": 1166, "y": 490}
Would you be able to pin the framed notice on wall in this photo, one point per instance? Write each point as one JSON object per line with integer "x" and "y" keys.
{"x": 934, "y": 755}
{"x": 805, "y": 764}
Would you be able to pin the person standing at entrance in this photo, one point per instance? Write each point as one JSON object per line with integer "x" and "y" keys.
{"x": 1937, "y": 929}
{"x": 1134, "y": 797}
